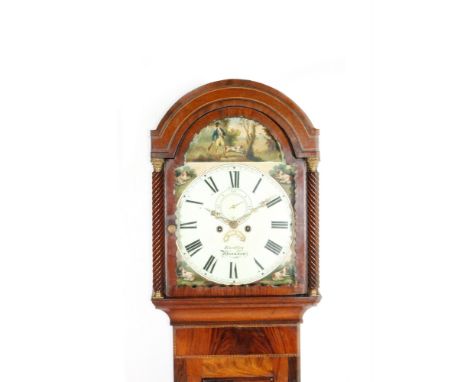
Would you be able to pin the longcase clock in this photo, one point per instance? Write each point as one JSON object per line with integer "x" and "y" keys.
{"x": 235, "y": 231}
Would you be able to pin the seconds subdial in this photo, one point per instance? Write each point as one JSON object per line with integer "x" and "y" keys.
{"x": 233, "y": 203}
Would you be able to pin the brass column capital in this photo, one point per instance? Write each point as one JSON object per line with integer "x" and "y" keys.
{"x": 314, "y": 292}
{"x": 158, "y": 164}
{"x": 157, "y": 295}
{"x": 312, "y": 163}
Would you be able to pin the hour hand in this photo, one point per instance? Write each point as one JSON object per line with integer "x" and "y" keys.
{"x": 218, "y": 215}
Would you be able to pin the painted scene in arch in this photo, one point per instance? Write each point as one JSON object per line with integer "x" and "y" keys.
{"x": 235, "y": 139}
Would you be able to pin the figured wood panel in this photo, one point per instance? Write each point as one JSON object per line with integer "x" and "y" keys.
{"x": 238, "y": 369}
{"x": 242, "y": 379}
{"x": 293, "y": 369}
{"x": 196, "y": 369}
{"x": 235, "y": 341}
{"x": 180, "y": 370}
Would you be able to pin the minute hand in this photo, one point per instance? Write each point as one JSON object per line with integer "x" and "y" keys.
{"x": 244, "y": 217}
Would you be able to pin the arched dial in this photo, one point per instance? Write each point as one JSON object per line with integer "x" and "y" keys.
{"x": 234, "y": 225}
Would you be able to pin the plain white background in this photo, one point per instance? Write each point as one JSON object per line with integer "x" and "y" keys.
{"x": 83, "y": 82}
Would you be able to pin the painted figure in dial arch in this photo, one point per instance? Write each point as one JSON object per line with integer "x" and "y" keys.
{"x": 240, "y": 141}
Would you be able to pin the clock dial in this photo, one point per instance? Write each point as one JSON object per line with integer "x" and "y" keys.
{"x": 234, "y": 225}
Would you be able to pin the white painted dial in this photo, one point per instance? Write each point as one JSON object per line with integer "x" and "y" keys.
{"x": 234, "y": 225}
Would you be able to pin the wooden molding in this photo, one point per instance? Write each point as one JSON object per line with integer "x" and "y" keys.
{"x": 236, "y": 310}
{"x": 226, "y": 94}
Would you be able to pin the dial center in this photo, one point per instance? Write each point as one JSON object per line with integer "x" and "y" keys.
{"x": 233, "y": 204}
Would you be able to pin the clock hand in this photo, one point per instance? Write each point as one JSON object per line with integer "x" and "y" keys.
{"x": 219, "y": 216}
{"x": 251, "y": 211}
{"x": 235, "y": 205}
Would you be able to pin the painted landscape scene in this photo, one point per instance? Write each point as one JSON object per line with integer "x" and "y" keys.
{"x": 234, "y": 140}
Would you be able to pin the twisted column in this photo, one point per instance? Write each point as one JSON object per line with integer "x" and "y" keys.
{"x": 158, "y": 227}
{"x": 313, "y": 225}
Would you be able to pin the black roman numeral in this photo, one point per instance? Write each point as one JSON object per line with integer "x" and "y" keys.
{"x": 233, "y": 270}
{"x": 210, "y": 264}
{"x": 193, "y": 201}
{"x": 188, "y": 225}
{"x": 273, "y": 247}
{"x": 274, "y": 201}
{"x": 234, "y": 175}
{"x": 256, "y": 186}
{"x": 194, "y": 247}
{"x": 211, "y": 184}
{"x": 259, "y": 265}
{"x": 279, "y": 224}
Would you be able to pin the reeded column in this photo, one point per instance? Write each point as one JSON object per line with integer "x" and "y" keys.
{"x": 313, "y": 225}
{"x": 158, "y": 227}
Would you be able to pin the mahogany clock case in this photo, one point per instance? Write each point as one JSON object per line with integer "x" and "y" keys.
{"x": 238, "y": 333}
{"x": 293, "y": 132}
